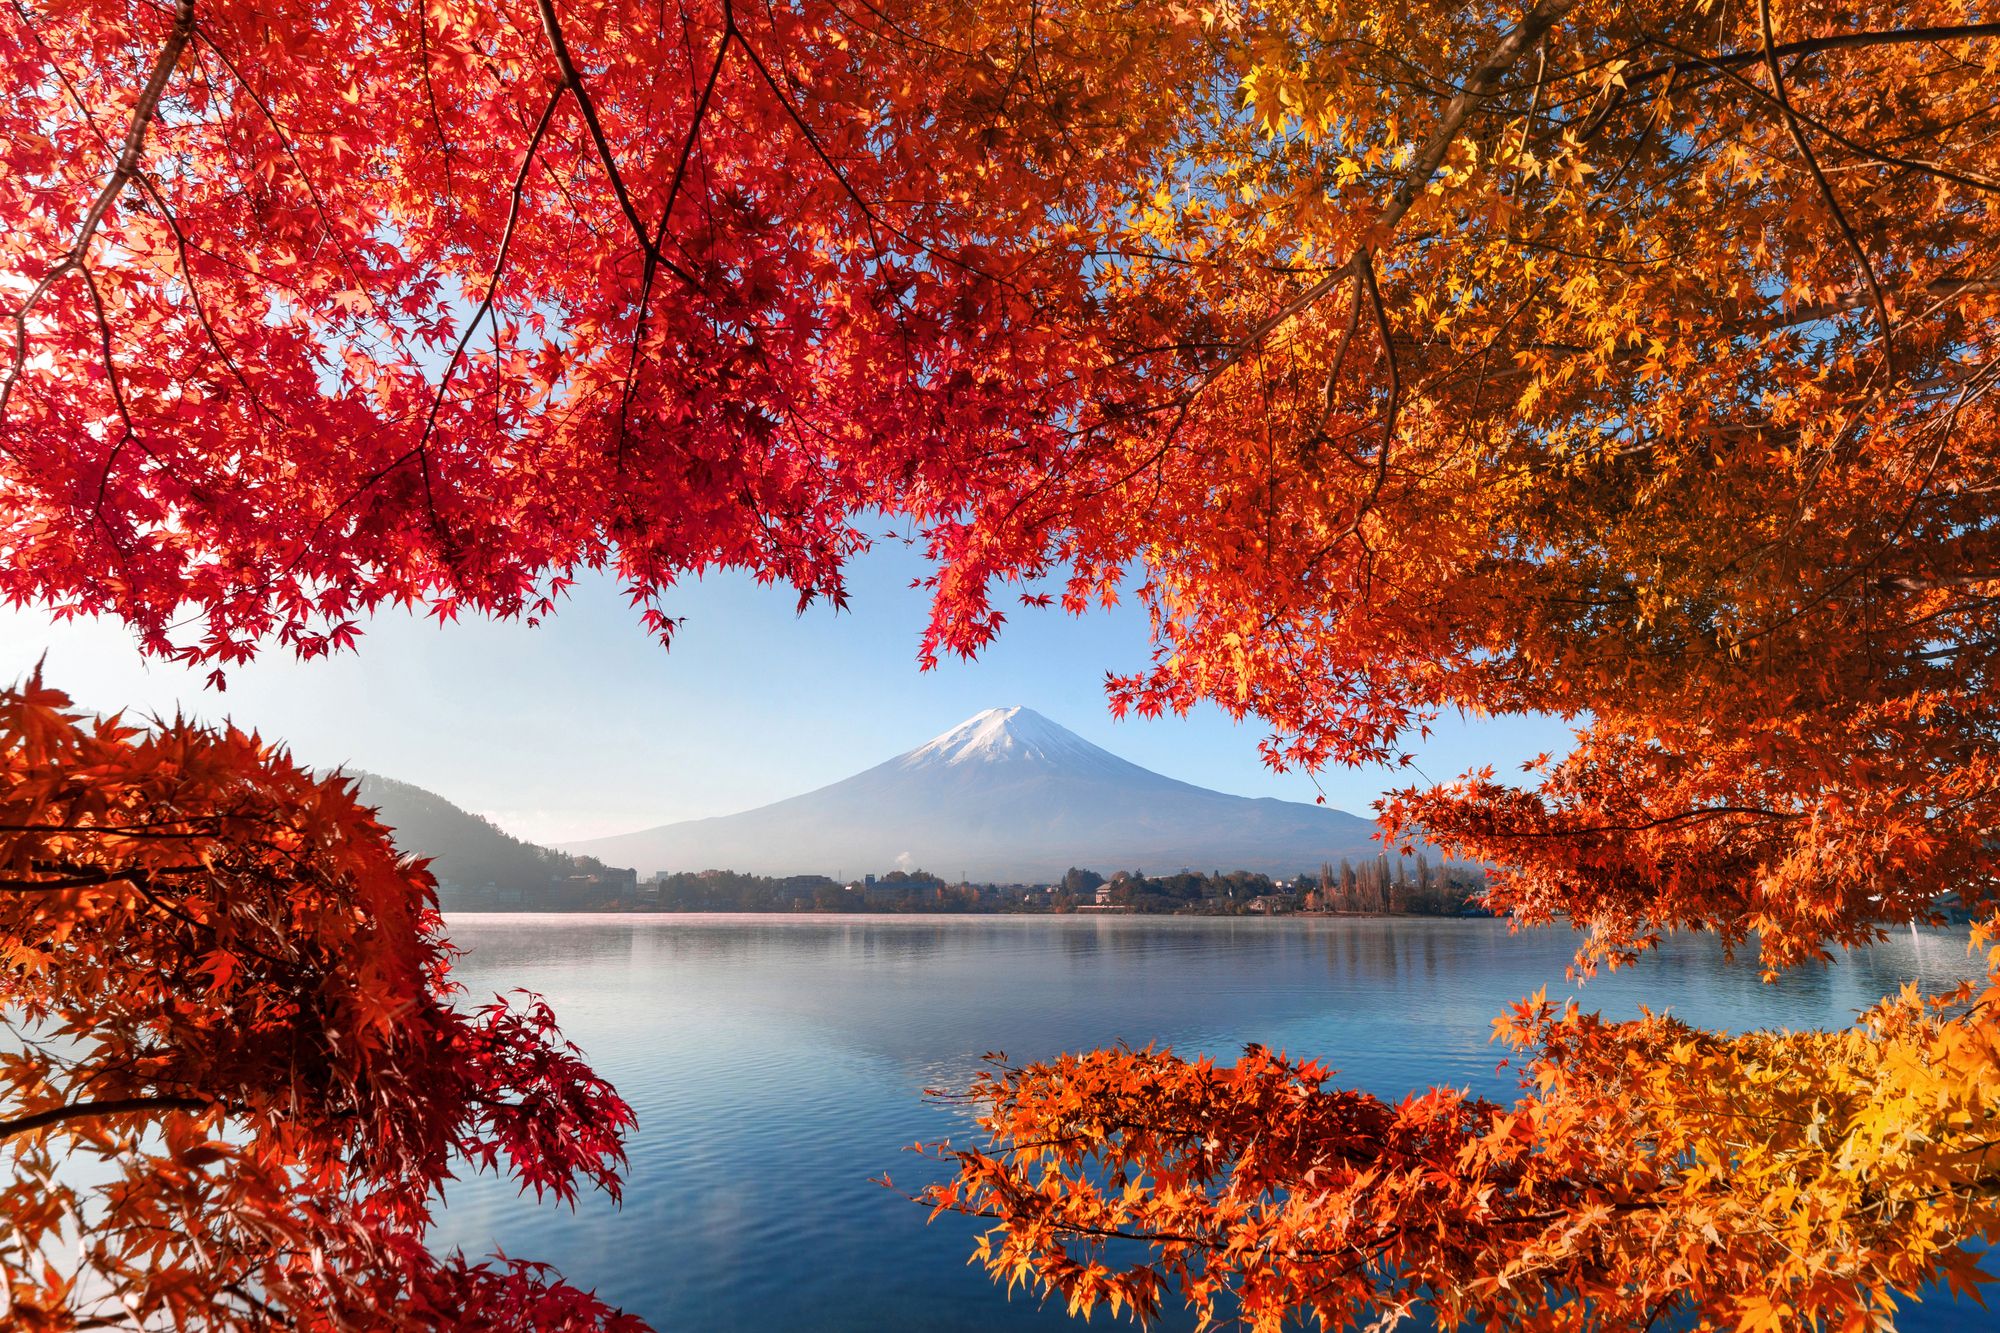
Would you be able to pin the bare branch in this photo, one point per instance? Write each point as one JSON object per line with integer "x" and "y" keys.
{"x": 573, "y": 79}
{"x": 666, "y": 217}
{"x": 486, "y": 300}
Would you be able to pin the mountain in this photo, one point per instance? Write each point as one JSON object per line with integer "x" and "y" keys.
{"x": 475, "y": 862}
{"x": 1007, "y": 796}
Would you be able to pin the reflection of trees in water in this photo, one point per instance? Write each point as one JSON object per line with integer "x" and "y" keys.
{"x": 1414, "y": 958}
{"x": 1691, "y": 977}
{"x": 1391, "y": 950}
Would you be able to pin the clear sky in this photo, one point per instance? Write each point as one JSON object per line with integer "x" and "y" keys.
{"x": 586, "y": 726}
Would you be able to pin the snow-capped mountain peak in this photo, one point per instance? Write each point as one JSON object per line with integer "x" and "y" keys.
{"x": 1001, "y": 735}
{"x": 1006, "y": 796}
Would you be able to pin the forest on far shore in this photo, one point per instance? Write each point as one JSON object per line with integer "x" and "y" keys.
{"x": 1400, "y": 886}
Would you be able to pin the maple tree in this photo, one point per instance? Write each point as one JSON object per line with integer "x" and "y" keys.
{"x": 1631, "y": 364}
{"x": 343, "y": 305}
{"x": 237, "y": 1074}
{"x": 1627, "y": 362}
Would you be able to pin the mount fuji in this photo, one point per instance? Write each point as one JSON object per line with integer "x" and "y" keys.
{"x": 1006, "y": 796}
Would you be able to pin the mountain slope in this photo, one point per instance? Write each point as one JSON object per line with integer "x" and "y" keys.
{"x": 468, "y": 853}
{"x": 1005, "y": 796}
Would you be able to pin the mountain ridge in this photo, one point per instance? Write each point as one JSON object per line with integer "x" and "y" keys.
{"x": 1006, "y": 796}
{"x": 472, "y": 858}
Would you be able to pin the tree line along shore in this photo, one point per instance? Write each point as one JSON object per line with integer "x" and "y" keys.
{"x": 1386, "y": 885}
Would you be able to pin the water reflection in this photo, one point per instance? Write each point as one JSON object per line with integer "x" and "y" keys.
{"x": 776, "y": 1064}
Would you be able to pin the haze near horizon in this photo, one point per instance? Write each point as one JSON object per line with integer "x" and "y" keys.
{"x": 585, "y": 727}
{"x": 1006, "y": 796}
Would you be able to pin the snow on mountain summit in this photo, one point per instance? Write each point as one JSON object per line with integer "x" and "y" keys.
{"x": 1007, "y": 734}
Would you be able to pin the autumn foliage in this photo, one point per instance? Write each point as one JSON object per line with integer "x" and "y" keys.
{"x": 1413, "y": 358}
{"x": 237, "y": 1075}
{"x": 1630, "y": 362}
{"x": 335, "y": 305}
{"x": 1650, "y": 1173}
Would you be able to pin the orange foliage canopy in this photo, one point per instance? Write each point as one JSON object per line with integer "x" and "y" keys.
{"x": 237, "y": 1074}
{"x": 1651, "y": 1172}
{"x": 1632, "y": 362}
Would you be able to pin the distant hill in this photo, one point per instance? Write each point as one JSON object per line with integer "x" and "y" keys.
{"x": 1007, "y": 796}
{"x": 476, "y": 862}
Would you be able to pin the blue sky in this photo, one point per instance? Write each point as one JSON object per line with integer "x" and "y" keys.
{"x": 586, "y": 726}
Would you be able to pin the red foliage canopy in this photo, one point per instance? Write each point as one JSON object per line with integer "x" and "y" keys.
{"x": 231, "y": 991}
{"x": 349, "y": 304}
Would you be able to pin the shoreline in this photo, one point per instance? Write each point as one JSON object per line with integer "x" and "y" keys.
{"x": 1096, "y": 914}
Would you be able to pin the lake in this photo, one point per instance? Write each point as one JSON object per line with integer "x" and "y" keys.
{"x": 776, "y": 1064}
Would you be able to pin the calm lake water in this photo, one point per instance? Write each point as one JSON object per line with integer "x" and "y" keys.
{"x": 776, "y": 1064}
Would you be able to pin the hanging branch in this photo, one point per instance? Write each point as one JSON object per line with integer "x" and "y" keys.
{"x": 1784, "y": 101}
{"x": 127, "y": 167}
{"x": 1478, "y": 89}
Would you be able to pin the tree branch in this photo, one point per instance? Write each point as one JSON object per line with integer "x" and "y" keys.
{"x": 82, "y": 879}
{"x": 573, "y": 79}
{"x": 57, "y": 1115}
{"x": 1784, "y": 101}
{"x": 121, "y": 175}
{"x": 699, "y": 115}
{"x": 1477, "y": 90}
{"x": 1844, "y": 41}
